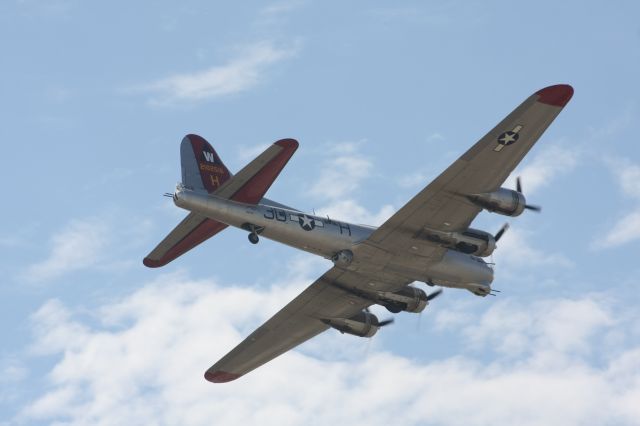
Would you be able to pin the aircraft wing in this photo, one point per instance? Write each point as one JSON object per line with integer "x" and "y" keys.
{"x": 442, "y": 205}
{"x": 193, "y": 230}
{"x": 297, "y": 322}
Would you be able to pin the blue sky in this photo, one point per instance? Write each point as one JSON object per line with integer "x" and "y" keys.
{"x": 382, "y": 97}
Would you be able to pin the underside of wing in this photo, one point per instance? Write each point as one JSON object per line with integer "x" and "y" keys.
{"x": 301, "y": 319}
{"x": 193, "y": 230}
{"x": 444, "y": 204}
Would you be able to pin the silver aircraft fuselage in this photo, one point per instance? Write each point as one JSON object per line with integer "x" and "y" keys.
{"x": 327, "y": 237}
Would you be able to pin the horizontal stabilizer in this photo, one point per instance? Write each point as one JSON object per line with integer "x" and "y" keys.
{"x": 202, "y": 170}
{"x": 253, "y": 181}
{"x": 193, "y": 230}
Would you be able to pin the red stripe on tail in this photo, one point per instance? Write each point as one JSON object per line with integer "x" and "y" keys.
{"x": 212, "y": 170}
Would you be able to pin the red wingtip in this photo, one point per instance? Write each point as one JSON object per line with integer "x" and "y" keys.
{"x": 220, "y": 376}
{"x": 288, "y": 143}
{"x": 558, "y": 95}
{"x": 150, "y": 263}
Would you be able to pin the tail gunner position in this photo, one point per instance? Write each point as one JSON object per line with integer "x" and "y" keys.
{"x": 428, "y": 240}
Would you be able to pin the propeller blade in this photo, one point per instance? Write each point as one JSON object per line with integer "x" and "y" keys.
{"x": 531, "y": 207}
{"x": 501, "y": 232}
{"x": 435, "y": 294}
{"x": 386, "y": 322}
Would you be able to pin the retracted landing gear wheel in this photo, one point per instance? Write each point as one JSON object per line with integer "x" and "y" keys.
{"x": 253, "y": 238}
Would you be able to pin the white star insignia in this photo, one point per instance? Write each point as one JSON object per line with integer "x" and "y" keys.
{"x": 306, "y": 222}
{"x": 508, "y": 137}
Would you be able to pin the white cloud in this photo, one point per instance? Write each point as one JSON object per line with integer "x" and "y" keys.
{"x": 142, "y": 360}
{"x": 435, "y": 137}
{"x": 418, "y": 179}
{"x": 624, "y": 231}
{"x": 99, "y": 243}
{"x": 626, "y": 228}
{"x": 242, "y": 73}
{"x": 454, "y": 315}
{"x": 557, "y": 326}
{"x": 78, "y": 246}
{"x": 342, "y": 172}
{"x": 349, "y": 210}
{"x": 341, "y": 175}
{"x": 13, "y": 371}
{"x": 549, "y": 163}
{"x": 515, "y": 250}
{"x": 415, "y": 179}
{"x": 628, "y": 175}
{"x": 613, "y": 126}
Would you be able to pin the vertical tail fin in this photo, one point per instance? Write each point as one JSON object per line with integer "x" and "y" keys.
{"x": 202, "y": 168}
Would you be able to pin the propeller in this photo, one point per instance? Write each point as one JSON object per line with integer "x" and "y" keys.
{"x": 501, "y": 232}
{"x": 386, "y": 322}
{"x": 381, "y": 323}
{"x": 433, "y": 295}
{"x": 527, "y": 206}
{"x": 430, "y": 297}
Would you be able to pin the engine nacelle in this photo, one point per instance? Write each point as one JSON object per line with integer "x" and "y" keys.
{"x": 409, "y": 299}
{"x": 343, "y": 258}
{"x": 503, "y": 201}
{"x": 472, "y": 241}
{"x": 363, "y": 324}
